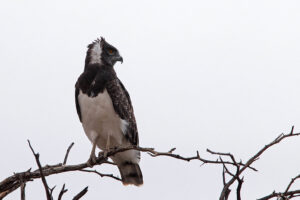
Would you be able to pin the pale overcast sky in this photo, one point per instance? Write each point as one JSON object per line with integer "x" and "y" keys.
{"x": 214, "y": 74}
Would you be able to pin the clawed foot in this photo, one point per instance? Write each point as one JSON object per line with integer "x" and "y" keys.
{"x": 92, "y": 160}
{"x": 103, "y": 154}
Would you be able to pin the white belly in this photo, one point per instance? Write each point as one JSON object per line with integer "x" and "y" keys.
{"x": 100, "y": 120}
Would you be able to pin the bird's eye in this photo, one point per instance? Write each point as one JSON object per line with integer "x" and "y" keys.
{"x": 110, "y": 51}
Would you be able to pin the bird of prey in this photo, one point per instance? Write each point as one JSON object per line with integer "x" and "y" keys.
{"x": 105, "y": 110}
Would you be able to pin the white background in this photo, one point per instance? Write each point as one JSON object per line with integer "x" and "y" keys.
{"x": 214, "y": 74}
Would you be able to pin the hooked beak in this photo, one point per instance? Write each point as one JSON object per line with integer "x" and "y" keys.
{"x": 119, "y": 58}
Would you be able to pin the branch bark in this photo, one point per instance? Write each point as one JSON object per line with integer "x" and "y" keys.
{"x": 287, "y": 194}
{"x": 67, "y": 153}
{"x": 80, "y": 194}
{"x": 62, "y": 191}
{"x": 37, "y": 156}
{"x": 11, "y": 183}
{"x": 17, "y": 180}
{"x": 254, "y": 158}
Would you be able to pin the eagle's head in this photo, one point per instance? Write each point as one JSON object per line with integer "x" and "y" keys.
{"x": 101, "y": 52}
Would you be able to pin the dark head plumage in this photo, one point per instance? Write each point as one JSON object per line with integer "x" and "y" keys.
{"x": 101, "y": 52}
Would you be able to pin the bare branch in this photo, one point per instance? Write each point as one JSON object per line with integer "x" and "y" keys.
{"x": 291, "y": 183}
{"x": 67, "y": 153}
{"x": 154, "y": 153}
{"x": 80, "y": 194}
{"x": 9, "y": 190}
{"x": 239, "y": 188}
{"x": 224, "y": 181}
{"x": 101, "y": 174}
{"x": 62, "y": 191}
{"x": 224, "y": 172}
{"x": 171, "y": 150}
{"x": 223, "y": 176}
{"x": 291, "y": 194}
{"x": 23, "y": 190}
{"x": 234, "y": 163}
{"x": 36, "y": 155}
{"x": 13, "y": 182}
{"x": 286, "y": 194}
{"x": 51, "y": 190}
{"x": 254, "y": 158}
{"x": 219, "y": 153}
{"x": 225, "y": 168}
{"x": 292, "y": 130}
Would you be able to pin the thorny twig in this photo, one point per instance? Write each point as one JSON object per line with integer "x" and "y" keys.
{"x": 80, "y": 194}
{"x": 291, "y": 183}
{"x": 287, "y": 194}
{"x": 13, "y": 182}
{"x": 253, "y": 159}
{"x": 67, "y": 153}
{"x": 62, "y": 191}
{"x": 36, "y": 155}
{"x": 101, "y": 174}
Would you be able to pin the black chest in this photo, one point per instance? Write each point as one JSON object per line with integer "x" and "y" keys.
{"x": 94, "y": 79}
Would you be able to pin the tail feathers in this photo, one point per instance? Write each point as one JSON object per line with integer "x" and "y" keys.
{"x": 131, "y": 173}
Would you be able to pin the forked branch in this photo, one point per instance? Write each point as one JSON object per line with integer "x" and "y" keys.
{"x": 18, "y": 180}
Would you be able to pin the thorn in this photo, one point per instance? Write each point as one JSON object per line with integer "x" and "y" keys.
{"x": 173, "y": 149}
{"x": 198, "y": 155}
{"x": 292, "y": 131}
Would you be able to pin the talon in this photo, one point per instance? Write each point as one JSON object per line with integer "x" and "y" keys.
{"x": 89, "y": 164}
{"x": 92, "y": 160}
{"x": 100, "y": 154}
{"x": 105, "y": 153}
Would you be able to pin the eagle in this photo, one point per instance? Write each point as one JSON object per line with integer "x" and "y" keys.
{"x": 104, "y": 108}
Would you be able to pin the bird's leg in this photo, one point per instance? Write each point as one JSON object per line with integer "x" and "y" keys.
{"x": 107, "y": 146}
{"x": 93, "y": 159}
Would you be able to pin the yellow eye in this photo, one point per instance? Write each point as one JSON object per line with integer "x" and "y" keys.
{"x": 110, "y": 51}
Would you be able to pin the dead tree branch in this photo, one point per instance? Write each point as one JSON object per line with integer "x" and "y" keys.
{"x": 67, "y": 153}
{"x": 23, "y": 191}
{"x": 253, "y": 159}
{"x": 80, "y": 194}
{"x": 17, "y": 180}
{"x": 101, "y": 174}
{"x": 11, "y": 183}
{"x": 36, "y": 155}
{"x": 287, "y": 194}
{"x": 291, "y": 183}
{"x": 62, "y": 191}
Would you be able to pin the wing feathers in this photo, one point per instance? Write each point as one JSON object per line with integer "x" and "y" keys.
{"x": 122, "y": 105}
